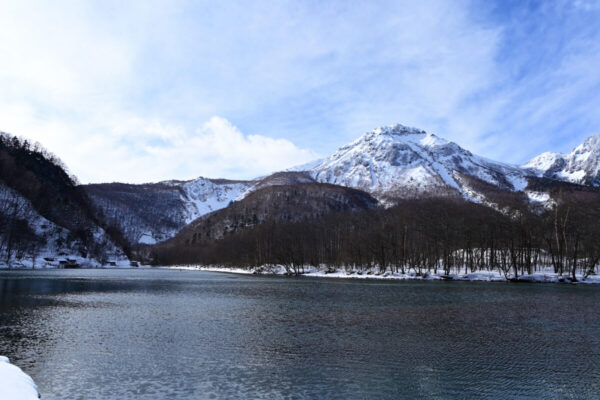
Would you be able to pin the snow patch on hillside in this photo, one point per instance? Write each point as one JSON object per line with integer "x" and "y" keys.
{"x": 305, "y": 167}
{"x": 203, "y": 196}
{"x": 147, "y": 238}
{"x": 540, "y": 197}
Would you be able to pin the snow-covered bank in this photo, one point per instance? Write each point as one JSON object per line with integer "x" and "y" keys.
{"x": 213, "y": 269}
{"x": 326, "y": 272}
{"x": 15, "y": 384}
{"x": 58, "y": 262}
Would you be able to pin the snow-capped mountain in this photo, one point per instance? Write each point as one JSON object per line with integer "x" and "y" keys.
{"x": 389, "y": 163}
{"x": 582, "y": 165}
{"x": 400, "y": 162}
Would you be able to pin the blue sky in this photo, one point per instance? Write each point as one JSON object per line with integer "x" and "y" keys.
{"x": 152, "y": 90}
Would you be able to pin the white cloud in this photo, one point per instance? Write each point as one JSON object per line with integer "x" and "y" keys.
{"x": 136, "y": 150}
{"x": 75, "y": 78}
{"x": 128, "y": 90}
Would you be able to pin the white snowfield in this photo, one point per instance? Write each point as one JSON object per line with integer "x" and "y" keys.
{"x": 546, "y": 276}
{"x": 15, "y": 384}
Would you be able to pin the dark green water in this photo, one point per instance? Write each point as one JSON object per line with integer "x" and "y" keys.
{"x": 160, "y": 334}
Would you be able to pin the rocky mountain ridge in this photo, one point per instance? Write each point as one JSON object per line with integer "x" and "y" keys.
{"x": 582, "y": 165}
{"x": 399, "y": 162}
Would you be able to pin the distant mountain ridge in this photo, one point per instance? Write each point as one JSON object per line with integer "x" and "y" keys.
{"x": 390, "y": 163}
{"x": 43, "y": 211}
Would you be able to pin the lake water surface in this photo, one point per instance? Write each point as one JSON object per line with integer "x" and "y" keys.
{"x": 166, "y": 334}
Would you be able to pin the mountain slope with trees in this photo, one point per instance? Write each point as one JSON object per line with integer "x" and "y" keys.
{"x": 419, "y": 236}
{"x": 270, "y": 204}
{"x": 44, "y": 211}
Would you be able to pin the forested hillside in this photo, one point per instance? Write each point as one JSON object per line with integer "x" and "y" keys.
{"x": 419, "y": 236}
{"x": 271, "y": 204}
{"x": 154, "y": 212}
{"x": 145, "y": 213}
{"x": 43, "y": 210}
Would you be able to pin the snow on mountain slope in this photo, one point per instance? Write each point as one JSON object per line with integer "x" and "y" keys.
{"x": 307, "y": 166}
{"x": 544, "y": 162}
{"x": 401, "y": 162}
{"x": 202, "y": 195}
{"x": 582, "y": 165}
{"x": 153, "y": 212}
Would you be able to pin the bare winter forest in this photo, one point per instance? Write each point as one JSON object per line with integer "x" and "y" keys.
{"x": 419, "y": 235}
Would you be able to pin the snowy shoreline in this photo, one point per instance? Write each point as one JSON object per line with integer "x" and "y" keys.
{"x": 324, "y": 272}
{"x": 16, "y": 384}
{"x": 544, "y": 276}
{"x": 66, "y": 262}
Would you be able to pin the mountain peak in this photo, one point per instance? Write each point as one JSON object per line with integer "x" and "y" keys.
{"x": 399, "y": 162}
{"x": 398, "y": 130}
{"x": 591, "y": 143}
{"x": 582, "y": 165}
{"x": 388, "y": 136}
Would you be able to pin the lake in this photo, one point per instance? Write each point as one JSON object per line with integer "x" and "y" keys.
{"x": 168, "y": 334}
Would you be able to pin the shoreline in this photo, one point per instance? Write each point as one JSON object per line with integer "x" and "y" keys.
{"x": 480, "y": 276}
{"x": 546, "y": 276}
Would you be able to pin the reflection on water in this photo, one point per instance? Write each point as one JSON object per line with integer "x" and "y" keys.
{"x": 159, "y": 334}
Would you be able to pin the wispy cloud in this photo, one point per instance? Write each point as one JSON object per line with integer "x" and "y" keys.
{"x": 129, "y": 91}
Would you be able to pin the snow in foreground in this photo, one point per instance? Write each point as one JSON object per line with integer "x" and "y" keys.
{"x": 547, "y": 276}
{"x": 14, "y": 383}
